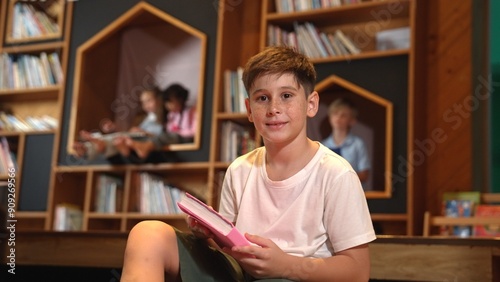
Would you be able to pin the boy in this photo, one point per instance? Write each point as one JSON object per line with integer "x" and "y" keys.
{"x": 299, "y": 203}
{"x": 342, "y": 114}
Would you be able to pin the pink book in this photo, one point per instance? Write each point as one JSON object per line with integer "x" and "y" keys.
{"x": 225, "y": 233}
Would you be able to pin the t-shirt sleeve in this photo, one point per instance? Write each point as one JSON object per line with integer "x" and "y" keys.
{"x": 347, "y": 218}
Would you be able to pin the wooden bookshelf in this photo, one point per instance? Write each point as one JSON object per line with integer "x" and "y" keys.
{"x": 28, "y": 100}
{"x": 243, "y": 31}
{"x": 77, "y": 182}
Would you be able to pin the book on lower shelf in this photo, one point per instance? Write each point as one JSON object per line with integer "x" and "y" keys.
{"x": 490, "y": 230}
{"x": 109, "y": 193}
{"x": 68, "y": 217}
{"x": 156, "y": 196}
{"x": 226, "y": 234}
{"x": 459, "y": 204}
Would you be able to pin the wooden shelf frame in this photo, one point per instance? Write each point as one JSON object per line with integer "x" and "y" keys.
{"x": 35, "y": 101}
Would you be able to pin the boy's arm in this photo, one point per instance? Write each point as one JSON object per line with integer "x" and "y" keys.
{"x": 349, "y": 265}
{"x": 269, "y": 261}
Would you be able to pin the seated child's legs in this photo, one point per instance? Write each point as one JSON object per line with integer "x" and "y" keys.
{"x": 151, "y": 253}
{"x": 89, "y": 147}
{"x": 121, "y": 146}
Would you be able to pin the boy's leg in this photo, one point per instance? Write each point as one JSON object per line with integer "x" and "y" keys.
{"x": 151, "y": 253}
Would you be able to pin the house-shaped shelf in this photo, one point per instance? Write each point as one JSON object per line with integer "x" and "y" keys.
{"x": 144, "y": 47}
{"x": 374, "y": 125}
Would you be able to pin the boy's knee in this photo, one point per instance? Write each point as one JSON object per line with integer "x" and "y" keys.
{"x": 150, "y": 229}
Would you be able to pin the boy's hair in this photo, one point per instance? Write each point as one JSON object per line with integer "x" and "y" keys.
{"x": 279, "y": 60}
{"x": 343, "y": 102}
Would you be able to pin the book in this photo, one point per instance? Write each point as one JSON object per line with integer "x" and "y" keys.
{"x": 113, "y": 135}
{"x": 459, "y": 204}
{"x": 346, "y": 41}
{"x": 391, "y": 39}
{"x": 225, "y": 233}
{"x": 108, "y": 193}
{"x": 490, "y": 230}
{"x": 68, "y": 217}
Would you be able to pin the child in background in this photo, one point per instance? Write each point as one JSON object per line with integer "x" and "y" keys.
{"x": 180, "y": 127}
{"x": 300, "y": 204}
{"x": 148, "y": 123}
{"x": 342, "y": 114}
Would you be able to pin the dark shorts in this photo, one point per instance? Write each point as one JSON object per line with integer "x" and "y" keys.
{"x": 202, "y": 263}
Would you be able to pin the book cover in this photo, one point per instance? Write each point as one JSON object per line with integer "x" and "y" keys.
{"x": 459, "y": 204}
{"x": 225, "y": 233}
{"x": 490, "y": 230}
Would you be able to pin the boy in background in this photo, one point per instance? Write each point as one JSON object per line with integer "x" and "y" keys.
{"x": 342, "y": 115}
{"x": 300, "y": 204}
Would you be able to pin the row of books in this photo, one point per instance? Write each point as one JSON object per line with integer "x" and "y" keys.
{"x": 288, "y": 6}
{"x": 19, "y": 71}
{"x": 29, "y": 22}
{"x": 236, "y": 141}
{"x": 10, "y": 122}
{"x": 468, "y": 204}
{"x": 156, "y": 196}
{"x": 313, "y": 43}
{"x": 68, "y": 217}
{"x": 234, "y": 91}
{"x": 108, "y": 194}
{"x": 7, "y": 157}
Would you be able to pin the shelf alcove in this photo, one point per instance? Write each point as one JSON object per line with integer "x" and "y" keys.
{"x": 374, "y": 126}
{"x": 144, "y": 47}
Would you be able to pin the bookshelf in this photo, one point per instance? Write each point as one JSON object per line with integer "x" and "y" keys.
{"x": 35, "y": 91}
{"x": 242, "y": 34}
{"x": 76, "y": 182}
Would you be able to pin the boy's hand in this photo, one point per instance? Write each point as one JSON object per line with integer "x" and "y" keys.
{"x": 263, "y": 260}
{"x": 198, "y": 230}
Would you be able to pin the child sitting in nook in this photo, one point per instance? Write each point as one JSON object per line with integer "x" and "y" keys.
{"x": 342, "y": 115}
{"x": 148, "y": 124}
{"x": 180, "y": 127}
{"x": 299, "y": 203}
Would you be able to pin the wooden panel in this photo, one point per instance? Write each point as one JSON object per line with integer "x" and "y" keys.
{"x": 424, "y": 262}
{"x": 98, "y": 250}
{"x": 442, "y": 143}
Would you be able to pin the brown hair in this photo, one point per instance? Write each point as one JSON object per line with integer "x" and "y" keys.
{"x": 343, "y": 102}
{"x": 278, "y": 60}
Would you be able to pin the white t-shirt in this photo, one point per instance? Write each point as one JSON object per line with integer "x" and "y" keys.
{"x": 318, "y": 211}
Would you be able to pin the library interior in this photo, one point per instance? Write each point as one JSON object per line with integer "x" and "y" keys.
{"x": 79, "y": 169}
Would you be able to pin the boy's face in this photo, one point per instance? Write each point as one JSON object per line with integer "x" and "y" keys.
{"x": 278, "y": 107}
{"x": 342, "y": 118}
